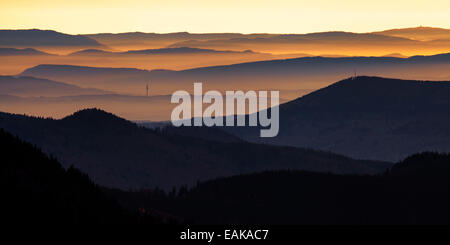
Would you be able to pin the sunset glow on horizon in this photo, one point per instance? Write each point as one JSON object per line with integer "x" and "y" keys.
{"x": 199, "y": 16}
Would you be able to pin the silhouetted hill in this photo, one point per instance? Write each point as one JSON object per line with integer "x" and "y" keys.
{"x": 415, "y": 191}
{"x": 309, "y": 64}
{"x": 30, "y": 86}
{"x": 369, "y": 94}
{"x": 36, "y": 189}
{"x": 97, "y": 118}
{"x": 141, "y": 40}
{"x": 118, "y": 153}
{"x": 171, "y": 36}
{"x": 25, "y": 51}
{"x": 35, "y": 38}
{"x": 340, "y": 36}
{"x": 55, "y": 106}
{"x": 366, "y": 118}
{"x": 428, "y": 165}
{"x": 418, "y": 33}
{"x": 303, "y": 66}
{"x": 89, "y": 52}
{"x": 181, "y": 50}
{"x": 395, "y": 55}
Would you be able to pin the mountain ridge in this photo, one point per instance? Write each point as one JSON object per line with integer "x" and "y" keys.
{"x": 366, "y": 118}
{"x": 440, "y": 57}
{"x": 24, "y": 51}
{"x": 180, "y": 50}
{"x": 36, "y": 37}
{"x": 299, "y": 197}
{"x": 39, "y": 87}
{"x": 118, "y": 153}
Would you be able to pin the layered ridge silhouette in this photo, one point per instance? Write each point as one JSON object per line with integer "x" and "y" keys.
{"x": 37, "y": 87}
{"x": 366, "y": 118}
{"x": 118, "y": 153}
{"x": 414, "y": 191}
{"x": 36, "y": 189}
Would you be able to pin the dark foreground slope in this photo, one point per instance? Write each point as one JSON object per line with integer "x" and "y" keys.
{"x": 366, "y": 118}
{"x": 415, "y": 191}
{"x": 37, "y": 189}
{"x": 118, "y": 153}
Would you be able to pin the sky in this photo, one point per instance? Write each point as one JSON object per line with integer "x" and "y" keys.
{"x": 206, "y": 16}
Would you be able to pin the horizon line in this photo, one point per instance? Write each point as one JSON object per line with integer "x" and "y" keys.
{"x": 224, "y": 32}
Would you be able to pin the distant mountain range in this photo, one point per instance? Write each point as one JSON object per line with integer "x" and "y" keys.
{"x": 366, "y": 118}
{"x": 410, "y": 41}
{"x": 145, "y": 51}
{"x": 38, "y": 87}
{"x": 25, "y": 51}
{"x": 288, "y": 74}
{"x": 335, "y": 37}
{"x": 37, "y": 38}
{"x": 118, "y": 153}
{"x": 419, "y": 33}
{"x": 141, "y": 40}
{"x": 181, "y": 50}
{"x": 16, "y": 59}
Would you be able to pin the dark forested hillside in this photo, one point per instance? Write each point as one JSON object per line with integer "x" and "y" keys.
{"x": 415, "y": 191}
{"x": 366, "y": 118}
{"x": 118, "y": 153}
{"x": 37, "y": 189}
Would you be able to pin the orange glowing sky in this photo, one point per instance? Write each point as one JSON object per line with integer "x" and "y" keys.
{"x": 251, "y": 16}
